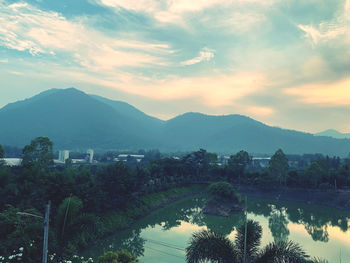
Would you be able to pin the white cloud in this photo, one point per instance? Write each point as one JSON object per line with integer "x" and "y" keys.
{"x": 4, "y": 60}
{"x": 324, "y": 94}
{"x": 27, "y": 28}
{"x": 170, "y": 11}
{"x": 205, "y": 54}
{"x": 336, "y": 29}
{"x": 213, "y": 91}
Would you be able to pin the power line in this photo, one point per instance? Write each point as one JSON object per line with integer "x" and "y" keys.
{"x": 166, "y": 253}
{"x": 161, "y": 243}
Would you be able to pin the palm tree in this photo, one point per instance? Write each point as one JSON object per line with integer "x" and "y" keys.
{"x": 206, "y": 246}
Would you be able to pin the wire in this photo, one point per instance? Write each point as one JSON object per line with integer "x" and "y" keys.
{"x": 161, "y": 251}
{"x": 161, "y": 243}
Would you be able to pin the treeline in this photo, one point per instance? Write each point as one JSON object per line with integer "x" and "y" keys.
{"x": 82, "y": 196}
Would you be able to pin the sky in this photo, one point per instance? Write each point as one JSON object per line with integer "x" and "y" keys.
{"x": 283, "y": 62}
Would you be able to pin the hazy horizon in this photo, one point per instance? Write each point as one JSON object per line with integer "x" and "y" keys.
{"x": 284, "y": 63}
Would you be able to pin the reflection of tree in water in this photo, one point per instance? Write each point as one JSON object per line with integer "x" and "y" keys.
{"x": 134, "y": 244}
{"x": 318, "y": 233}
{"x": 315, "y": 219}
{"x": 278, "y": 224}
{"x": 188, "y": 210}
{"x": 223, "y": 225}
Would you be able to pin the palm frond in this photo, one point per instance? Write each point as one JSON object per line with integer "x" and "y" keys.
{"x": 254, "y": 233}
{"x": 286, "y": 252}
{"x": 206, "y": 245}
{"x": 318, "y": 260}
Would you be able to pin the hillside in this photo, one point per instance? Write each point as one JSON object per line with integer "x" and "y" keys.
{"x": 75, "y": 120}
{"x": 334, "y": 134}
{"x": 71, "y": 119}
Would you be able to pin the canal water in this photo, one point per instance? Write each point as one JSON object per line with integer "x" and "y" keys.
{"x": 163, "y": 235}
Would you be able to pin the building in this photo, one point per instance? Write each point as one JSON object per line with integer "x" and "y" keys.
{"x": 126, "y": 157}
{"x": 90, "y": 155}
{"x": 63, "y": 156}
{"x": 12, "y": 161}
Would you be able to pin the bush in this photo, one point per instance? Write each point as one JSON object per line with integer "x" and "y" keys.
{"x": 223, "y": 190}
{"x": 117, "y": 257}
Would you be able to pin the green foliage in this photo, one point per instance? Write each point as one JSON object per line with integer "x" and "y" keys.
{"x": 208, "y": 246}
{"x": 2, "y": 153}
{"x": 223, "y": 190}
{"x": 117, "y": 257}
{"x": 282, "y": 252}
{"x": 238, "y": 162}
{"x": 68, "y": 211}
{"x": 38, "y": 152}
{"x": 117, "y": 183}
{"x": 254, "y": 233}
{"x": 22, "y": 234}
{"x": 108, "y": 197}
{"x": 279, "y": 166}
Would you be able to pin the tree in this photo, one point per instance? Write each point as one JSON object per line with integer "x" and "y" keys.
{"x": 117, "y": 257}
{"x": 314, "y": 173}
{"x": 38, "y": 152}
{"x": 1, "y": 152}
{"x": 279, "y": 166}
{"x": 1, "y": 155}
{"x": 223, "y": 190}
{"x": 238, "y": 162}
{"x": 206, "y": 245}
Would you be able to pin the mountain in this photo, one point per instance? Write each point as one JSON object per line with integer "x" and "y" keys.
{"x": 231, "y": 133}
{"x": 334, "y": 134}
{"x": 75, "y": 120}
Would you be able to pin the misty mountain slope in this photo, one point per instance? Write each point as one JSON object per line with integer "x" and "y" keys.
{"x": 75, "y": 120}
{"x": 193, "y": 130}
{"x": 130, "y": 111}
{"x": 334, "y": 134}
{"x": 232, "y": 133}
{"x": 71, "y": 119}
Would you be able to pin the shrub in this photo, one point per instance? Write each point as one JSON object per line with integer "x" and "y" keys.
{"x": 223, "y": 190}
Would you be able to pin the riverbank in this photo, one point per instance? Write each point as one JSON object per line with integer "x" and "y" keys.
{"x": 119, "y": 220}
{"x": 337, "y": 199}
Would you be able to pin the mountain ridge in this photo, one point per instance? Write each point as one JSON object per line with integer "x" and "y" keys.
{"x": 75, "y": 120}
{"x": 334, "y": 134}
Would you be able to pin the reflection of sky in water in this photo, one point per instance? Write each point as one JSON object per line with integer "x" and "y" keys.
{"x": 164, "y": 235}
{"x": 177, "y": 236}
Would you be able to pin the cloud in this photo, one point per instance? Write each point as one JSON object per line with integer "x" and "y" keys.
{"x": 259, "y": 111}
{"x": 337, "y": 28}
{"x": 213, "y": 91}
{"x": 169, "y": 11}
{"x": 205, "y": 54}
{"x": 5, "y": 60}
{"x": 329, "y": 94}
{"x": 27, "y": 28}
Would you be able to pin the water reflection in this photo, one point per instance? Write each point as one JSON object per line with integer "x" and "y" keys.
{"x": 177, "y": 221}
{"x": 278, "y": 224}
{"x": 316, "y": 219}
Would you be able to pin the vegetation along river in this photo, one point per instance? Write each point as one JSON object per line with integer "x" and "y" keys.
{"x": 163, "y": 235}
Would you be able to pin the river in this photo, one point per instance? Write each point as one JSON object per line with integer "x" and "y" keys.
{"x": 163, "y": 235}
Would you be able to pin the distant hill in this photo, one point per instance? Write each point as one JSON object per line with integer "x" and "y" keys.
{"x": 75, "y": 120}
{"x": 231, "y": 133}
{"x": 334, "y": 134}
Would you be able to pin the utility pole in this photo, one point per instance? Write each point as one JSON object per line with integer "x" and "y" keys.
{"x": 46, "y": 228}
{"x": 245, "y": 233}
{"x": 46, "y": 232}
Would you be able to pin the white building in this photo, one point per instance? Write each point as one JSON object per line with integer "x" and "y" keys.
{"x": 90, "y": 156}
{"x": 12, "y": 161}
{"x": 63, "y": 156}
